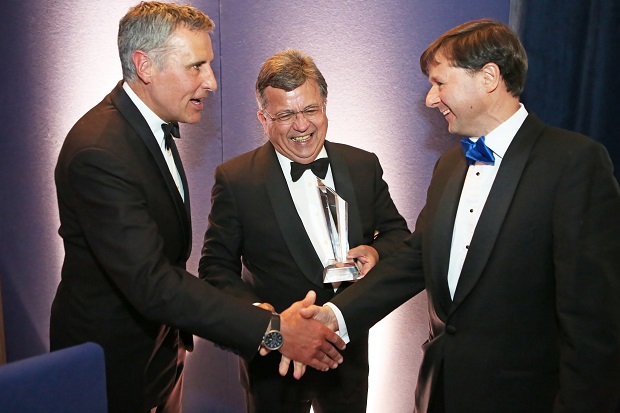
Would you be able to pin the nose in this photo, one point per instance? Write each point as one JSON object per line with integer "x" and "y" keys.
{"x": 432, "y": 97}
{"x": 300, "y": 123}
{"x": 209, "y": 81}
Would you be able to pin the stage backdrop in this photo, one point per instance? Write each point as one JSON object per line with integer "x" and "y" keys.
{"x": 573, "y": 53}
{"x": 61, "y": 59}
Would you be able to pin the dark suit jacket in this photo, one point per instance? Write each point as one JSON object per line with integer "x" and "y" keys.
{"x": 254, "y": 224}
{"x": 127, "y": 237}
{"x": 535, "y": 321}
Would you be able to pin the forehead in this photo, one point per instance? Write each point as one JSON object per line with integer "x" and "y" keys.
{"x": 443, "y": 70}
{"x": 306, "y": 94}
{"x": 191, "y": 44}
{"x": 438, "y": 64}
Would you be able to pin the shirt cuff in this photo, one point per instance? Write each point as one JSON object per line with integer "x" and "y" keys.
{"x": 342, "y": 326}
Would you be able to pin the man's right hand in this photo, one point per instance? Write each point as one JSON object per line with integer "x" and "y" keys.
{"x": 309, "y": 341}
{"x": 323, "y": 314}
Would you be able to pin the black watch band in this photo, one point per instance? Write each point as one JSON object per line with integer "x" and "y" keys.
{"x": 273, "y": 339}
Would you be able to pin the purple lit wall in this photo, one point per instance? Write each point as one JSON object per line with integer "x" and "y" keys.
{"x": 61, "y": 59}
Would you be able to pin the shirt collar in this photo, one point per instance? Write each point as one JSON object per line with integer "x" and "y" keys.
{"x": 151, "y": 118}
{"x": 500, "y": 138}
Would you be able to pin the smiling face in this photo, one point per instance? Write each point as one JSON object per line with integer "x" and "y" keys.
{"x": 302, "y": 140}
{"x": 461, "y": 96}
{"x": 175, "y": 92}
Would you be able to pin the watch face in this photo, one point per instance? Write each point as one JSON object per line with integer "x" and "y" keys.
{"x": 273, "y": 340}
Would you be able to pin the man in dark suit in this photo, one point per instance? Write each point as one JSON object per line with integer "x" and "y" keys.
{"x": 518, "y": 250}
{"x": 125, "y": 222}
{"x": 268, "y": 242}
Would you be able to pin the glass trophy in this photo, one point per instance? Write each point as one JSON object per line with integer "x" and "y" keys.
{"x": 337, "y": 221}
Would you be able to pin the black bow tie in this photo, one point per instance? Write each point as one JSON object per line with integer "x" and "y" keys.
{"x": 170, "y": 130}
{"x": 318, "y": 167}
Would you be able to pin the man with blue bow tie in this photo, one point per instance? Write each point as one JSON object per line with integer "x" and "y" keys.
{"x": 518, "y": 248}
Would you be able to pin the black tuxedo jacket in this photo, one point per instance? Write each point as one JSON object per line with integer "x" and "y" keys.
{"x": 255, "y": 231}
{"x": 535, "y": 321}
{"x": 127, "y": 237}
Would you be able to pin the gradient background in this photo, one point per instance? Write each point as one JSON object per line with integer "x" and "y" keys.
{"x": 61, "y": 59}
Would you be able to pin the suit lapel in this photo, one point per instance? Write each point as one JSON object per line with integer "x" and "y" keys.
{"x": 184, "y": 202}
{"x": 443, "y": 225}
{"x": 133, "y": 116}
{"x": 288, "y": 219}
{"x": 496, "y": 207}
{"x": 344, "y": 187}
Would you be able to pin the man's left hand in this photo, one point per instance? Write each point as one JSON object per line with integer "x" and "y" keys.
{"x": 366, "y": 255}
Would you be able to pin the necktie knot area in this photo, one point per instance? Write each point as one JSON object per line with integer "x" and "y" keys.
{"x": 318, "y": 167}
{"x": 171, "y": 130}
{"x": 477, "y": 151}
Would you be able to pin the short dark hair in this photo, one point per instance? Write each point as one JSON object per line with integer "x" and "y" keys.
{"x": 474, "y": 44}
{"x": 287, "y": 70}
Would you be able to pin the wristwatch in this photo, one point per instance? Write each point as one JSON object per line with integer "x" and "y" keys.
{"x": 273, "y": 339}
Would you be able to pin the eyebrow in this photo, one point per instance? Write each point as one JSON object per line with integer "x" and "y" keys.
{"x": 199, "y": 63}
{"x": 317, "y": 105}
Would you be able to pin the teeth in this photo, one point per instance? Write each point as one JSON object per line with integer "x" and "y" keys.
{"x": 445, "y": 112}
{"x": 300, "y": 138}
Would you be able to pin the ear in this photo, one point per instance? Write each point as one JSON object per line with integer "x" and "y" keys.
{"x": 144, "y": 66}
{"x": 491, "y": 76}
{"x": 262, "y": 119}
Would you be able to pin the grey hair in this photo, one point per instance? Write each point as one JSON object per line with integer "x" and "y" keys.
{"x": 288, "y": 70}
{"x": 149, "y": 26}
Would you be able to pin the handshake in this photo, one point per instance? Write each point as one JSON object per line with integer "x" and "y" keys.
{"x": 309, "y": 338}
{"x": 308, "y": 331}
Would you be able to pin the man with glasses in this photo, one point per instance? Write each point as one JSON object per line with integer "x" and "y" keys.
{"x": 267, "y": 240}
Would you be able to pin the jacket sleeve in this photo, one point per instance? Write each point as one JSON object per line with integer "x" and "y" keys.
{"x": 586, "y": 227}
{"x": 220, "y": 262}
{"x": 389, "y": 284}
{"x": 390, "y": 227}
{"x": 112, "y": 212}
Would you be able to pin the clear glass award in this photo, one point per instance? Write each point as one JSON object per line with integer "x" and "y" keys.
{"x": 337, "y": 221}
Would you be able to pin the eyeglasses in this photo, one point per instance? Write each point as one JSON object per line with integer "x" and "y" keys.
{"x": 289, "y": 117}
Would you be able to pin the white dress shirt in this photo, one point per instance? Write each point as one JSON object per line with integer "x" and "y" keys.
{"x": 155, "y": 123}
{"x": 476, "y": 189}
{"x": 305, "y": 194}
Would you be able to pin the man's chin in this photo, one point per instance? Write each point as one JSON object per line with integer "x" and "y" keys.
{"x": 191, "y": 119}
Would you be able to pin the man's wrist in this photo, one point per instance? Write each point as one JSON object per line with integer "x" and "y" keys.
{"x": 273, "y": 340}
{"x": 342, "y": 326}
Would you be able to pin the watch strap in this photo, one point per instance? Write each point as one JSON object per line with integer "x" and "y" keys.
{"x": 274, "y": 324}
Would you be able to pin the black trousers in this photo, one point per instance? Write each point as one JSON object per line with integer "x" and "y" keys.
{"x": 343, "y": 390}
{"x": 173, "y": 404}
{"x": 437, "y": 404}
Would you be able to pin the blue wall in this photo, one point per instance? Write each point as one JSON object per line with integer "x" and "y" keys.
{"x": 60, "y": 59}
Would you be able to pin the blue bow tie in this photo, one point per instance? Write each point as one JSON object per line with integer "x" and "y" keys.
{"x": 477, "y": 151}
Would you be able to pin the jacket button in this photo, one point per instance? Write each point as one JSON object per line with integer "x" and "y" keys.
{"x": 451, "y": 329}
